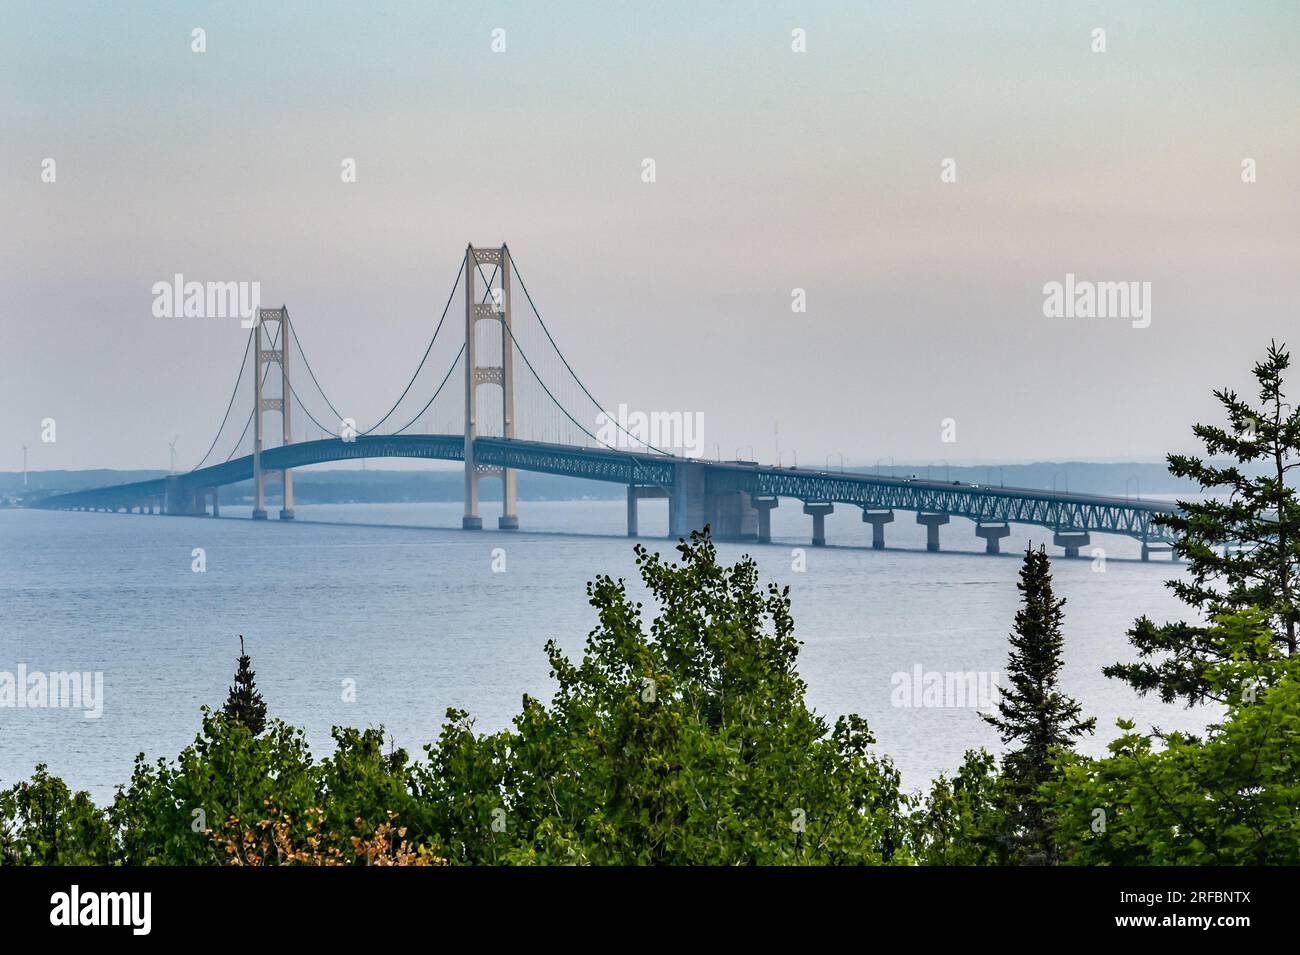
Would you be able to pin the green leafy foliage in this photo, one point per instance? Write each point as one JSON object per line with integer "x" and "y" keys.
{"x": 43, "y": 823}
{"x": 684, "y": 742}
{"x": 963, "y": 820}
{"x": 1230, "y": 799}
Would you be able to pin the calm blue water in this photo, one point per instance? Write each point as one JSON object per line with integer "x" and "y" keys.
{"x": 396, "y": 598}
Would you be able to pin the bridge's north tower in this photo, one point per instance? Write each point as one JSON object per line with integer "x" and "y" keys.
{"x": 283, "y": 404}
{"x": 496, "y": 309}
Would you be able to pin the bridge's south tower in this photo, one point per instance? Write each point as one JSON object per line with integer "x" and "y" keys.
{"x": 280, "y": 356}
{"x": 495, "y": 309}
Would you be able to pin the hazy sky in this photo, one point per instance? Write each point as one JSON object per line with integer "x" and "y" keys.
{"x": 775, "y": 170}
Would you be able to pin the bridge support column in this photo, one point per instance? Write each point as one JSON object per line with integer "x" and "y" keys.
{"x": 636, "y": 492}
{"x": 764, "y": 507}
{"x": 216, "y": 504}
{"x": 992, "y": 534}
{"x": 877, "y": 520}
{"x": 818, "y": 513}
{"x": 730, "y": 515}
{"x": 180, "y": 499}
{"x": 932, "y": 524}
{"x": 286, "y": 477}
{"x": 1071, "y": 541}
{"x": 1149, "y": 548}
{"x": 686, "y": 500}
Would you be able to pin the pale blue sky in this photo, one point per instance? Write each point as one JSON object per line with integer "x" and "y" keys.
{"x": 775, "y": 170}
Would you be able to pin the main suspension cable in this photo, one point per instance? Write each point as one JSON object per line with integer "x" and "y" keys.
{"x": 238, "y": 378}
{"x": 425, "y": 356}
{"x": 573, "y": 373}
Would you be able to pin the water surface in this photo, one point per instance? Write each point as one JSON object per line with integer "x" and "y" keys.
{"x": 398, "y": 599}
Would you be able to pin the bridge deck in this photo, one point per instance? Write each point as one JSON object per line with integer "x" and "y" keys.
{"x": 981, "y": 503}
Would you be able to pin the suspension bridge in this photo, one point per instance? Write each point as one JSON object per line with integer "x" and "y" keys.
{"x": 535, "y": 422}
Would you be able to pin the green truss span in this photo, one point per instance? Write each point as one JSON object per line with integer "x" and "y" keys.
{"x": 982, "y": 504}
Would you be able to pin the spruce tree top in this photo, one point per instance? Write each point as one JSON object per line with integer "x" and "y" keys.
{"x": 245, "y": 703}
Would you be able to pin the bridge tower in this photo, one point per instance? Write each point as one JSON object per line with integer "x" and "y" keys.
{"x": 496, "y": 309}
{"x": 280, "y": 356}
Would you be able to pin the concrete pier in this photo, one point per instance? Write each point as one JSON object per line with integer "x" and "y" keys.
{"x": 932, "y": 523}
{"x": 286, "y": 484}
{"x": 764, "y": 505}
{"x": 636, "y": 492}
{"x": 686, "y": 502}
{"x": 818, "y": 513}
{"x": 877, "y": 520}
{"x": 992, "y": 534}
{"x": 1071, "y": 541}
{"x": 180, "y": 499}
{"x": 1148, "y": 549}
{"x": 731, "y": 516}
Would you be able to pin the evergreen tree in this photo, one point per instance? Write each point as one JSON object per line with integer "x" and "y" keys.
{"x": 1033, "y": 715}
{"x": 1242, "y": 548}
{"x": 245, "y": 704}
